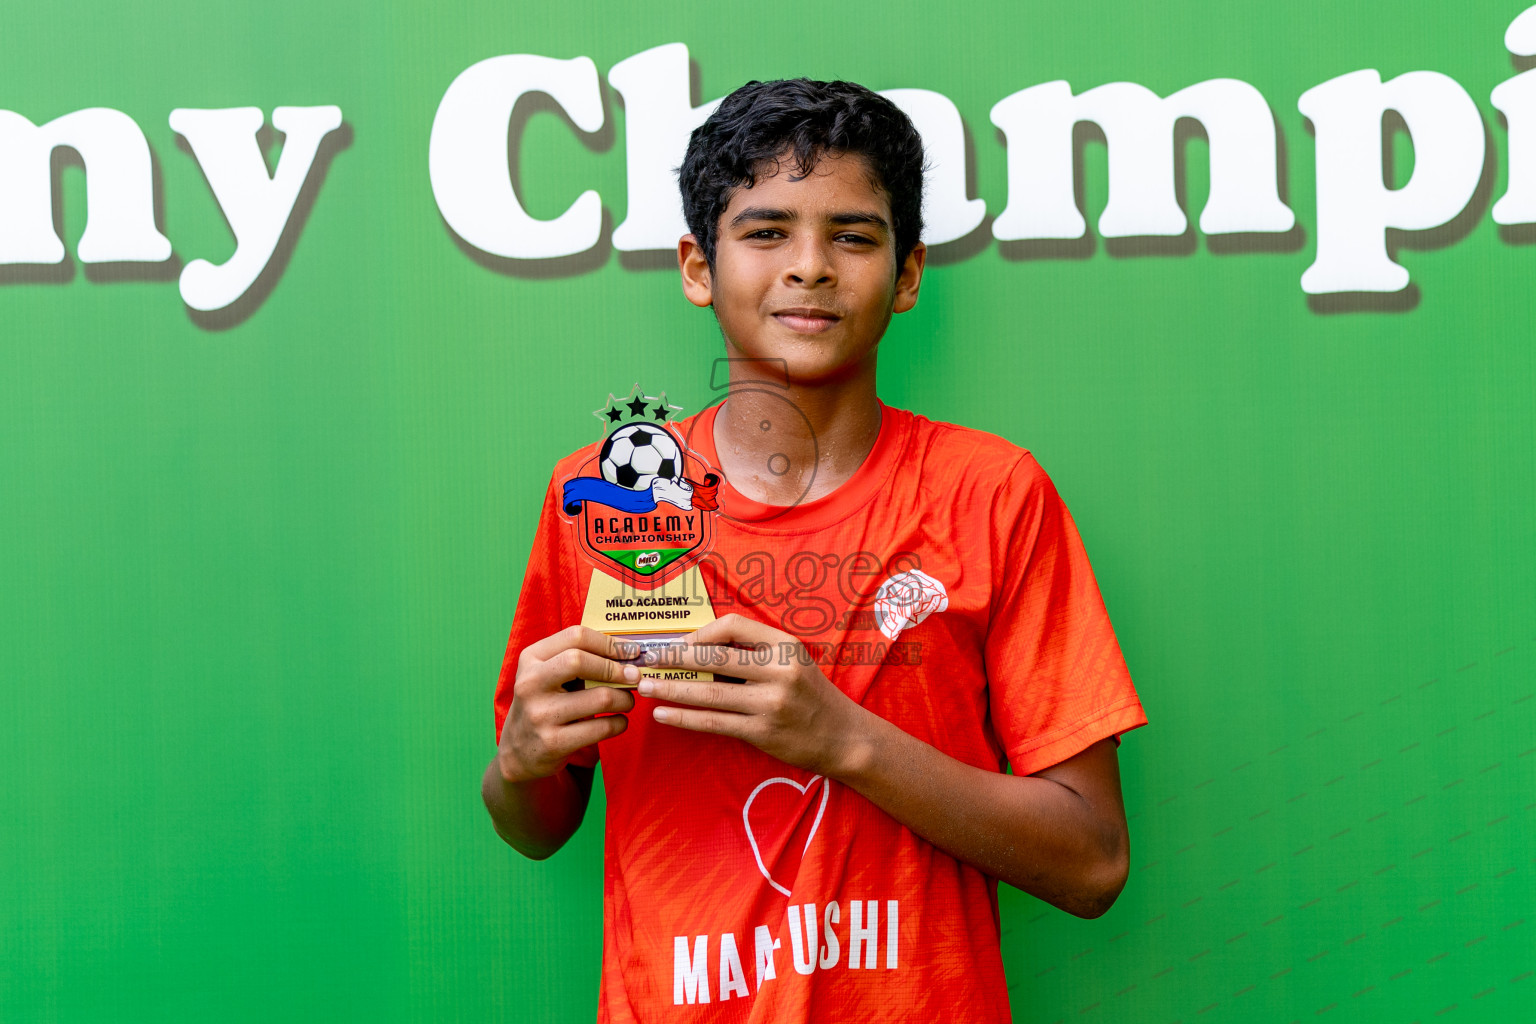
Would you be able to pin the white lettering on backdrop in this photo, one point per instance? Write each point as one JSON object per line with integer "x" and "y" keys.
{"x": 1354, "y": 208}
{"x": 947, "y": 214}
{"x": 1138, "y": 127}
{"x": 1516, "y": 100}
{"x": 472, "y": 182}
{"x": 659, "y": 115}
{"x": 256, "y": 206}
{"x": 119, "y": 197}
{"x": 467, "y": 156}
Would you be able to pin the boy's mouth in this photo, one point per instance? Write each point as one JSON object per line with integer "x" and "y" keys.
{"x": 806, "y": 319}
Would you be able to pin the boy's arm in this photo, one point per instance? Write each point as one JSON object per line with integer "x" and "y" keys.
{"x": 1059, "y": 834}
{"x": 535, "y": 798}
{"x": 537, "y": 817}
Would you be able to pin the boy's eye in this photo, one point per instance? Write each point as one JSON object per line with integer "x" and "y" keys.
{"x": 765, "y": 233}
{"x": 855, "y": 239}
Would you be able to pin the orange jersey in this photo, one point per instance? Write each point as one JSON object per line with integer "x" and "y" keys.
{"x": 944, "y": 588}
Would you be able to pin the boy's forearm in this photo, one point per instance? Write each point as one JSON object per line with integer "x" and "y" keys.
{"x": 1067, "y": 847}
{"x": 535, "y": 817}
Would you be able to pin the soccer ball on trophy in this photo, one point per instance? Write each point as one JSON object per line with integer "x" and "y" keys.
{"x": 635, "y": 456}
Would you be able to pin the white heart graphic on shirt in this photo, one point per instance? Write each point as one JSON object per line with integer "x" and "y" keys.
{"x": 746, "y": 820}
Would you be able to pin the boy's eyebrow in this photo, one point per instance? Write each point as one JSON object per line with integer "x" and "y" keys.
{"x": 774, "y": 215}
{"x": 763, "y": 213}
{"x": 860, "y": 217}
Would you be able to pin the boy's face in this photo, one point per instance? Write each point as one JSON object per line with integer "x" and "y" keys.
{"x": 805, "y": 271}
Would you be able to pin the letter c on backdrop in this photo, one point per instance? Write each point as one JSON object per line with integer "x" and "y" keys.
{"x": 467, "y": 156}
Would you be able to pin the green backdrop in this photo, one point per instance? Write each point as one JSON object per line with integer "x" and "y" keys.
{"x": 256, "y": 573}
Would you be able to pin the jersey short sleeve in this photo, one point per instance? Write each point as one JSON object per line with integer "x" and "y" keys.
{"x": 1057, "y": 681}
{"x": 547, "y": 603}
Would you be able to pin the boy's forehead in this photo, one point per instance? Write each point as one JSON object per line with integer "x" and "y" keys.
{"x": 838, "y": 182}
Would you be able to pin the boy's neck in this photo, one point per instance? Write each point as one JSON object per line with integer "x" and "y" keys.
{"x": 816, "y": 435}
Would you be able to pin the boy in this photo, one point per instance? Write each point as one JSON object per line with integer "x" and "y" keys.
{"x": 821, "y": 842}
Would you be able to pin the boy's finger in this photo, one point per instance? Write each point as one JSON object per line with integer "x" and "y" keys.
{"x": 574, "y": 663}
{"x": 581, "y": 638}
{"x": 721, "y": 723}
{"x": 600, "y": 700}
{"x": 593, "y": 730}
{"x": 731, "y": 697}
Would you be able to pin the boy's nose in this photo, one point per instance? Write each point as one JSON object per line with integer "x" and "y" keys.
{"x": 810, "y": 264}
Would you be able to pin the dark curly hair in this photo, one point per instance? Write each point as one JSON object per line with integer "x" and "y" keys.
{"x": 765, "y": 126}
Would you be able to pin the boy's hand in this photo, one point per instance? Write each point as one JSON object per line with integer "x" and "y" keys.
{"x": 788, "y": 708}
{"x": 547, "y": 724}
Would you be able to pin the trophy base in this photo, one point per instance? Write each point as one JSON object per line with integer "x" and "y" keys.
{"x": 676, "y": 608}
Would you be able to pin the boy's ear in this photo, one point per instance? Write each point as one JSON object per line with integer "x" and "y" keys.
{"x": 910, "y": 279}
{"x": 695, "y": 271}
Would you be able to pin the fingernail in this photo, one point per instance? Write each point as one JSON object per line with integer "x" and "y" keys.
{"x": 631, "y": 673}
{"x": 662, "y": 714}
{"x": 646, "y": 687}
